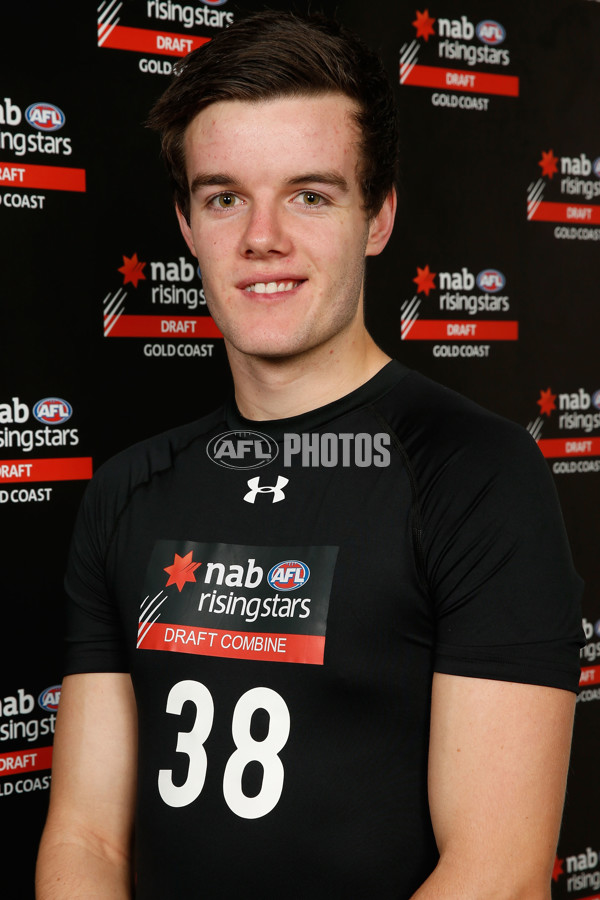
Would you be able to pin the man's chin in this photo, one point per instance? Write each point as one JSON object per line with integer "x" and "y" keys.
{"x": 274, "y": 348}
{"x": 271, "y": 352}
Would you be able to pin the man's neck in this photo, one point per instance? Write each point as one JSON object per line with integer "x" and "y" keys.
{"x": 280, "y": 388}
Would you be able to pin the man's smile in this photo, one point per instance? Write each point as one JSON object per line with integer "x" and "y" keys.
{"x": 272, "y": 287}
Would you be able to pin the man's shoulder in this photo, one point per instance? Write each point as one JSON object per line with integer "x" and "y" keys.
{"x": 421, "y": 410}
{"x": 139, "y": 462}
{"x": 462, "y": 454}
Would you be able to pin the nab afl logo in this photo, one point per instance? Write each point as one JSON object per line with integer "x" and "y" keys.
{"x": 288, "y": 575}
{"x": 52, "y": 411}
{"x": 214, "y": 2}
{"x": 50, "y": 698}
{"x": 490, "y": 32}
{"x": 45, "y": 116}
{"x": 491, "y": 281}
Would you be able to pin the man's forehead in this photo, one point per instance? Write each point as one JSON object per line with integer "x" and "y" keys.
{"x": 301, "y": 109}
{"x": 285, "y": 137}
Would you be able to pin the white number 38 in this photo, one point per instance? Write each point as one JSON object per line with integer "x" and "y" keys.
{"x": 265, "y": 752}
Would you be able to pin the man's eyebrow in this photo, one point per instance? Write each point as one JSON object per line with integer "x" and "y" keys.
{"x": 223, "y": 179}
{"x": 216, "y": 179}
{"x": 335, "y": 179}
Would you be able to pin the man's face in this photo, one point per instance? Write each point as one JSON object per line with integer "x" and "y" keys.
{"x": 276, "y": 221}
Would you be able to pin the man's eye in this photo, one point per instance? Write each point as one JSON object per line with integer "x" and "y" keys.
{"x": 225, "y": 201}
{"x": 311, "y": 198}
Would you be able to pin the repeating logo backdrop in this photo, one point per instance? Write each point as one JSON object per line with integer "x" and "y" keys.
{"x": 490, "y": 285}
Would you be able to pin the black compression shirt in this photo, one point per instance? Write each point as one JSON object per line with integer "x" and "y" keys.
{"x": 282, "y": 624}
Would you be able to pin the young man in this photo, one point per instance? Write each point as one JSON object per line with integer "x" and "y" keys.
{"x": 370, "y": 680}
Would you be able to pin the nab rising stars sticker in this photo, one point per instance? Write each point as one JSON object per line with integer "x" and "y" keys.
{"x": 237, "y": 601}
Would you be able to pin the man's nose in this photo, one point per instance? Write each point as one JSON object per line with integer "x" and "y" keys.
{"x": 266, "y": 231}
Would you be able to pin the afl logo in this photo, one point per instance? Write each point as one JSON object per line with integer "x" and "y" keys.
{"x": 490, "y": 32}
{"x": 49, "y": 698}
{"x": 288, "y": 575}
{"x": 242, "y": 449}
{"x": 596, "y": 167}
{"x": 596, "y": 399}
{"x": 491, "y": 281}
{"x": 214, "y": 2}
{"x": 52, "y": 411}
{"x": 45, "y": 116}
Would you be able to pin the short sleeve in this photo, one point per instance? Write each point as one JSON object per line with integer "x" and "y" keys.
{"x": 94, "y": 638}
{"x": 498, "y": 562}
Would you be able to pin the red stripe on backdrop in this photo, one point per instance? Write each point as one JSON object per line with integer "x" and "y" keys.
{"x": 575, "y": 446}
{"x": 442, "y": 330}
{"x": 76, "y": 468}
{"x": 157, "y": 326}
{"x": 53, "y": 178}
{"x": 297, "y": 648}
{"x": 590, "y": 675}
{"x": 459, "y": 80}
{"x": 21, "y": 761}
{"x": 575, "y": 214}
{"x": 144, "y": 40}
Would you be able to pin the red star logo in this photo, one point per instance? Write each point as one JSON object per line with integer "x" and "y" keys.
{"x": 424, "y": 280}
{"x": 548, "y": 163}
{"x": 132, "y": 270}
{"x": 558, "y": 868}
{"x": 424, "y": 24}
{"x": 182, "y": 570}
{"x": 547, "y": 402}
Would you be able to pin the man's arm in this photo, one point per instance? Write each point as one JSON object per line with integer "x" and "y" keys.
{"x": 85, "y": 847}
{"x": 498, "y": 760}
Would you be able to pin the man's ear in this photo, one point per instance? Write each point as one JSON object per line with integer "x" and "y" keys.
{"x": 186, "y": 231}
{"x": 381, "y": 225}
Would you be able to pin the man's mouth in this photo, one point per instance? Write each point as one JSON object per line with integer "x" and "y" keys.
{"x": 272, "y": 287}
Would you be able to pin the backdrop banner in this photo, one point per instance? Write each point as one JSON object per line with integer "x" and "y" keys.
{"x": 490, "y": 285}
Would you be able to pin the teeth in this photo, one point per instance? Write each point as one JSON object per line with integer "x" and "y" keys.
{"x": 272, "y": 287}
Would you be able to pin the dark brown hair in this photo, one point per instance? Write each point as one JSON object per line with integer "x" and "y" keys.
{"x": 273, "y": 54}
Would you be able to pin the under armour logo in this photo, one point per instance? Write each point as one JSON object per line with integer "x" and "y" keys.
{"x": 254, "y": 485}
